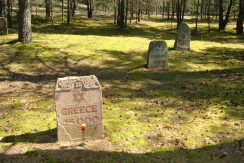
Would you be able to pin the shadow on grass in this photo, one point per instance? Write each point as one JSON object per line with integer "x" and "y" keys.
{"x": 224, "y": 152}
{"x": 103, "y": 26}
{"x": 223, "y": 86}
{"x": 48, "y": 136}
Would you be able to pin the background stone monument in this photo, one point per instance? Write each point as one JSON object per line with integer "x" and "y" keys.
{"x": 157, "y": 55}
{"x": 182, "y": 42}
{"x": 3, "y": 26}
{"x": 79, "y": 102}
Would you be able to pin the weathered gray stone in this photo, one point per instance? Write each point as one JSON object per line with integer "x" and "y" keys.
{"x": 3, "y": 26}
{"x": 79, "y": 101}
{"x": 182, "y": 42}
{"x": 157, "y": 55}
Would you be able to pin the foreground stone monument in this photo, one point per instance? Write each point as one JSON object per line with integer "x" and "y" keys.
{"x": 182, "y": 42}
{"x": 79, "y": 104}
{"x": 157, "y": 55}
{"x": 3, "y": 26}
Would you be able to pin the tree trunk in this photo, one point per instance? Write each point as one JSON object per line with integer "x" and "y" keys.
{"x": 227, "y": 14}
{"x": 24, "y": 21}
{"x": 173, "y": 9}
{"x": 183, "y": 10}
{"x": 239, "y": 22}
{"x": 73, "y": 7}
{"x": 115, "y": 12}
{"x": 221, "y": 15}
{"x": 223, "y": 22}
{"x": 89, "y": 8}
{"x": 202, "y": 10}
{"x": 119, "y": 12}
{"x": 48, "y": 6}
{"x": 68, "y": 12}
{"x": 62, "y": 10}
{"x": 126, "y": 12}
{"x": 209, "y": 20}
{"x": 178, "y": 12}
{"x": 139, "y": 15}
{"x": 197, "y": 15}
{"x": 36, "y": 7}
{"x": 163, "y": 9}
{"x": 9, "y": 13}
{"x": 122, "y": 14}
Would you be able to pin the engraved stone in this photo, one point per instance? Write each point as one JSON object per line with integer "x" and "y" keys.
{"x": 157, "y": 55}
{"x": 78, "y": 102}
{"x": 182, "y": 42}
{"x": 3, "y": 26}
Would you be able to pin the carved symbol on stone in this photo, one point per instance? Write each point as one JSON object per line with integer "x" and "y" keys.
{"x": 78, "y": 96}
{"x": 78, "y": 84}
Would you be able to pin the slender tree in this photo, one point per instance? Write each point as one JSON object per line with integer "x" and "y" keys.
{"x": 197, "y": 13}
{"x": 126, "y": 13}
{"x": 49, "y": 8}
{"x": 122, "y": 14}
{"x": 90, "y": 8}
{"x": 115, "y": 11}
{"x": 73, "y": 7}
{"x": 9, "y": 12}
{"x": 24, "y": 21}
{"x": 223, "y": 22}
{"x": 239, "y": 22}
{"x": 62, "y": 1}
{"x": 68, "y": 12}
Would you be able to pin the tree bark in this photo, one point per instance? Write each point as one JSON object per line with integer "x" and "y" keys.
{"x": 24, "y": 21}
{"x": 9, "y": 13}
{"x": 221, "y": 14}
{"x": 223, "y": 22}
{"x": 197, "y": 15}
{"x": 48, "y": 6}
{"x": 115, "y": 12}
{"x": 68, "y": 12}
{"x": 178, "y": 13}
{"x": 208, "y": 11}
{"x": 202, "y": 10}
{"x": 73, "y": 7}
{"x": 122, "y": 14}
{"x": 126, "y": 13}
{"x": 89, "y": 8}
{"x": 239, "y": 22}
{"x": 62, "y": 10}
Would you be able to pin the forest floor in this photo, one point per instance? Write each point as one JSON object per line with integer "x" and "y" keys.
{"x": 194, "y": 112}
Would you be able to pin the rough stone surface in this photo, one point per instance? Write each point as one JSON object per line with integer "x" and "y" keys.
{"x": 3, "y": 26}
{"x": 157, "y": 55}
{"x": 79, "y": 101}
{"x": 182, "y": 42}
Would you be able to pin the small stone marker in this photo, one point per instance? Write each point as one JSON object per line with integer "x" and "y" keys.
{"x": 157, "y": 55}
{"x": 3, "y": 26}
{"x": 78, "y": 103}
{"x": 182, "y": 42}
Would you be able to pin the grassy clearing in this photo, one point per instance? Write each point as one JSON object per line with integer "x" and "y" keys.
{"x": 192, "y": 112}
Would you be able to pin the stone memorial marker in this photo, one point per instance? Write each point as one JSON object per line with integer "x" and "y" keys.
{"x": 157, "y": 55}
{"x": 3, "y": 26}
{"x": 79, "y": 102}
{"x": 182, "y": 42}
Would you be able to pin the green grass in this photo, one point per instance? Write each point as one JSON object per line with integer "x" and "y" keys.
{"x": 190, "y": 113}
